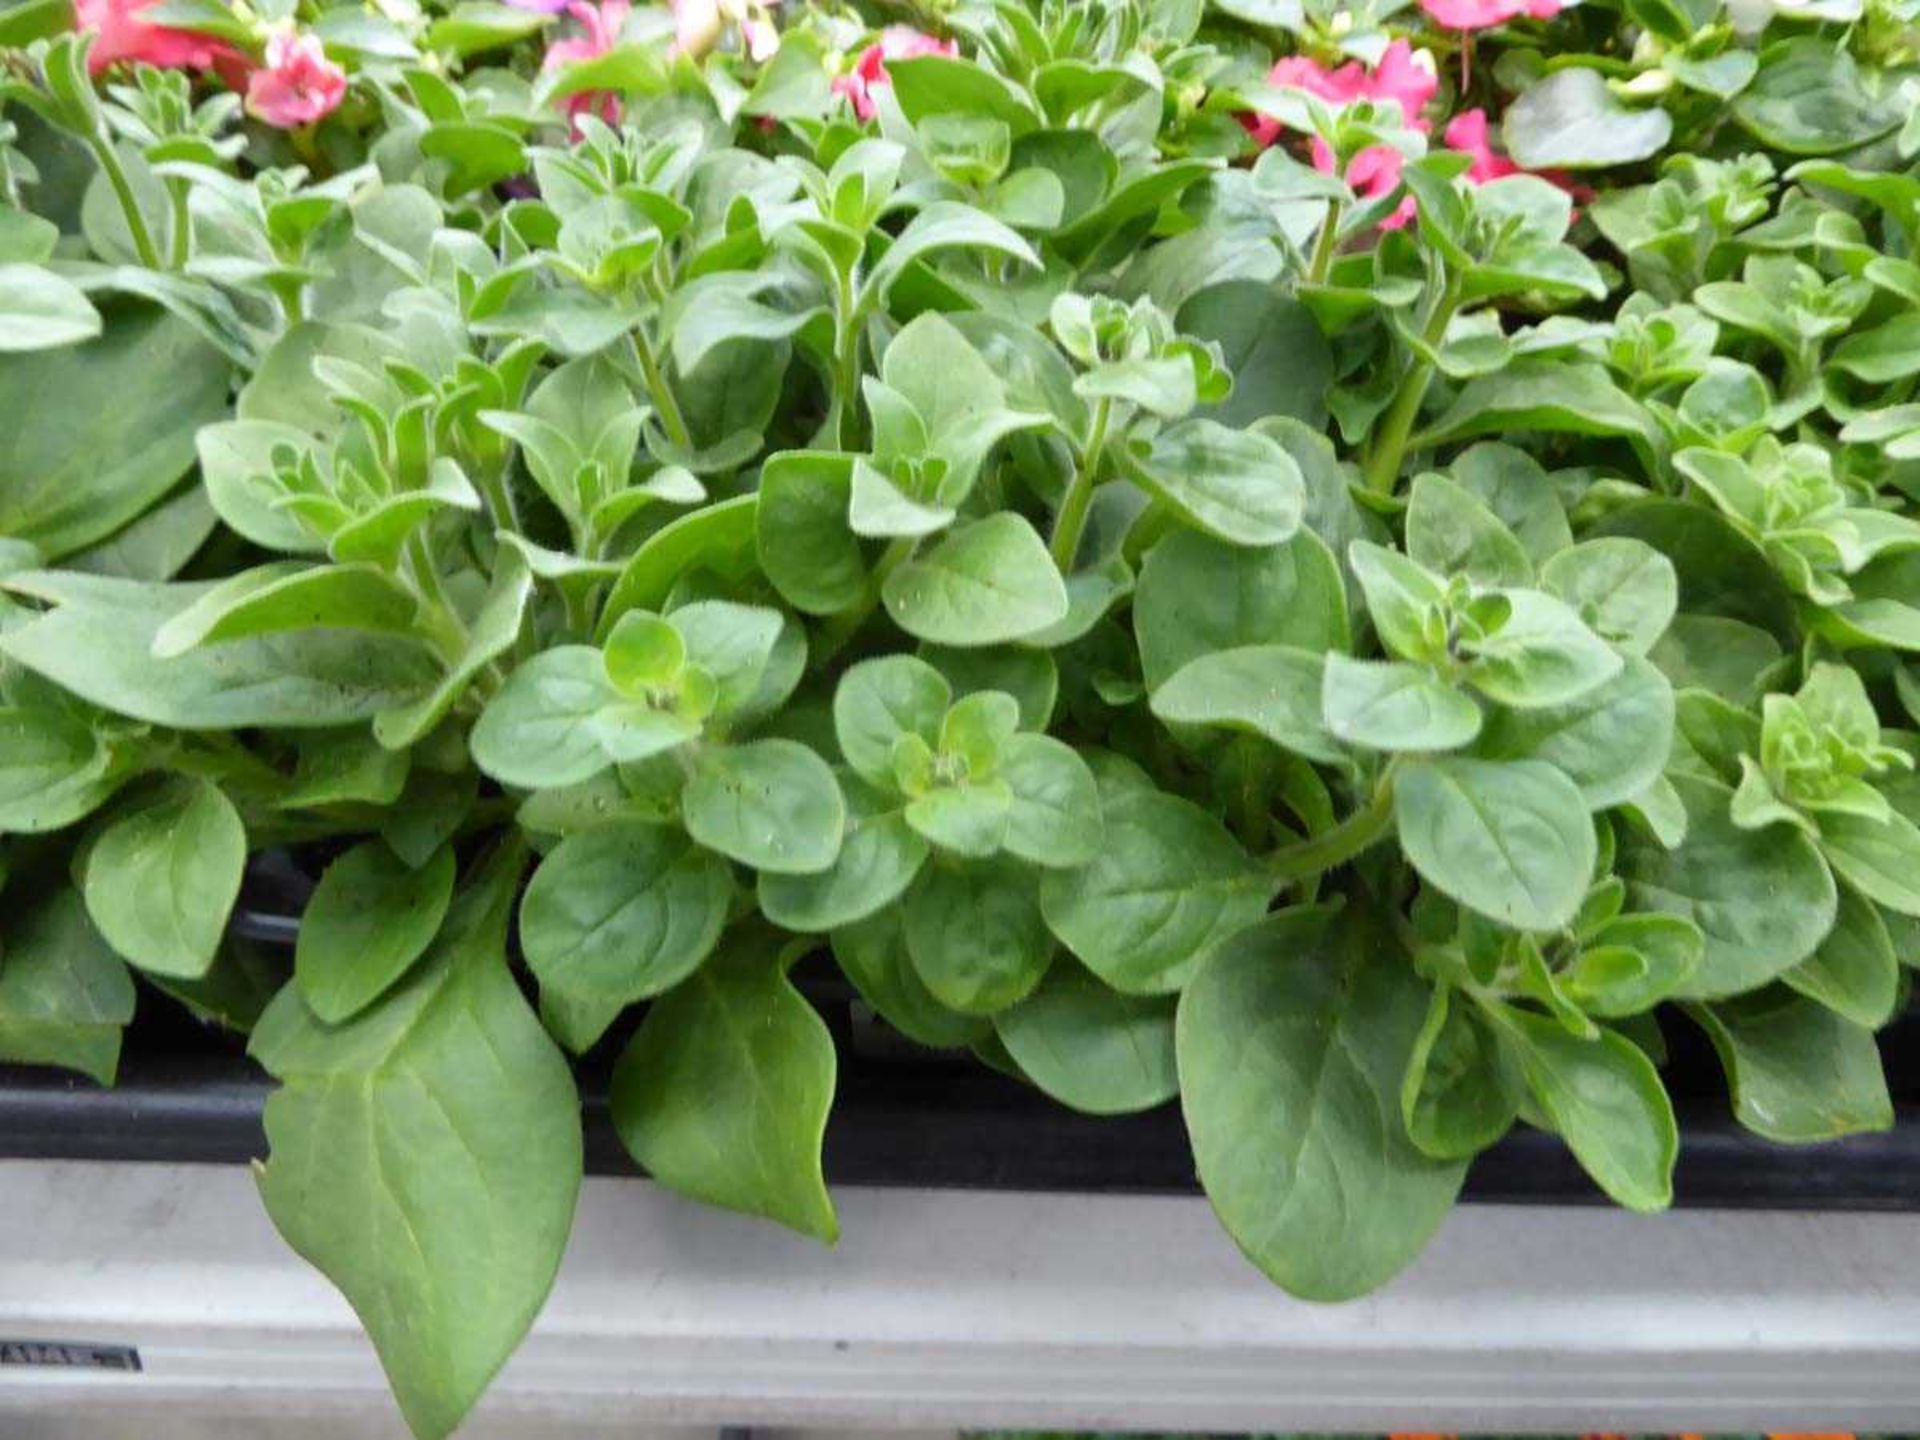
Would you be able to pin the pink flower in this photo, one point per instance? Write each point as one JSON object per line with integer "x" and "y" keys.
{"x": 897, "y": 42}
{"x": 1485, "y": 14}
{"x": 120, "y": 34}
{"x": 297, "y": 85}
{"x": 1373, "y": 174}
{"x": 1467, "y": 132}
{"x": 602, "y": 24}
{"x": 1403, "y": 76}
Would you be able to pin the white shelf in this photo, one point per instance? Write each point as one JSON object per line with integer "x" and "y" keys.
{"x": 952, "y": 1309}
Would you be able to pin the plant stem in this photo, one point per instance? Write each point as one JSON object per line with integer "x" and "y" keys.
{"x": 1308, "y": 858}
{"x": 1071, "y": 522}
{"x": 1390, "y": 441}
{"x": 182, "y": 238}
{"x": 664, "y": 404}
{"x": 846, "y": 371}
{"x": 1326, "y": 245}
{"x": 116, "y": 174}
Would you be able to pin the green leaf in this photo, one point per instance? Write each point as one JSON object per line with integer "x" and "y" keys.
{"x": 714, "y": 543}
{"x": 1624, "y": 590}
{"x": 163, "y": 875}
{"x": 1273, "y": 691}
{"x": 541, "y": 729}
{"x": 1631, "y": 963}
{"x": 1090, "y": 1047}
{"x": 490, "y": 634}
{"x": 1170, "y": 883}
{"x": 1763, "y": 898}
{"x": 1570, "y": 121}
{"x": 1612, "y": 742}
{"x": 1879, "y": 859}
{"x": 1511, "y": 840}
{"x": 945, "y": 225}
{"x": 1281, "y": 363}
{"x": 1389, "y": 706}
{"x": 98, "y": 643}
{"x": 877, "y": 702}
{"x": 771, "y": 804}
{"x": 984, "y": 583}
{"x": 1054, "y": 817}
{"x": 98, "y": 432}
{"x": 1458, "y": 1095}
{"x": 475, "y": 26}
{"x": 41, "y": 311}
{"x": 54, "y": 770}
{"x": 64, "y": 995}
{"x": 1541, "y": 394}
{"x": 1235, "y": 485}
{"x": 1291, "y": 1041}
{"x": 880, "y": 854}
{"x": 1452, "y": 533}
{"x": 370, "y": 918}
{"x": 1197, "y": 595}
{"x": 1854, "y": 973}
{"x": 723, "y": 1094}
{"x": 805, "y": 544}
{"x": 236, "y": 463}
{"x": 1812, "y": 98}
{"x": 286, "y": 596}
{"x": 396, "y": 1159}
{"x": 619, "y": 913}
{"x": 1542, "y": 655}
{"x": 1800, "y": 1072}
{"x": 1605, "y": 1099}
{"x": 974, "y": 932}
{"x": 873, "y": 954}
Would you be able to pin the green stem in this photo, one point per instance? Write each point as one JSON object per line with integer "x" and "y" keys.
{"x": 182, "y": 247}
{"x": 846, "y": 371}
{"x": 1390, "y": 442}
{"x": 1360, "y": 830}
{"x": 1071, "y": 522}
{"x": 443, "y": 624}
{"x": 1326, "y": 245}
{"x": 116, "y": 174}
{"x": 664, "y": 404}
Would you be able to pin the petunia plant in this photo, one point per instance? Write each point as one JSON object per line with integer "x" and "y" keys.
{"x": 1353, "y": 567}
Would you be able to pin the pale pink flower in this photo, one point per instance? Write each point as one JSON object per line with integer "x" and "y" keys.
{"x": 763, "y": 40}
{"x": 897, "y": 42}
{"x": 297, "y": 84}
{"x": 1485, "y": 14}
{"x": 120, "y": 34}
{"x": 601, "y": 25}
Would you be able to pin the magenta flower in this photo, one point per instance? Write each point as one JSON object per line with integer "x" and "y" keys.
{"x": 897, "y": 42}
{"x": 297, "y": 85}
{"x": 1404, "y": 76}
{"x": 1467, "y": 132}
{"x": 120, "y": 34}
{"x": 1485, "y": 14}
{"x": 601, "y": 25}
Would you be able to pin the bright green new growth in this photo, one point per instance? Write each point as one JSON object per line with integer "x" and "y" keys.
{"x": 1346, "y": 636}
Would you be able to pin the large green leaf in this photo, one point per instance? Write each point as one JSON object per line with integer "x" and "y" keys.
{"x": 98, "y": 643}
{"x": 1291, "y": 1042}
{"x": 982, "y": 584}
{"x": 724, "y": 1092}
{"x": 64, "y": 995}
{"x": 436, "y": 1193}
{"x": 1763, "y": 898}
{"x": 370, "y": 918}
{"x": 162, "y": 877}
{"x": 1800, "y": 1073}
{"x": 1509, "y": 839}
{"x": 98, "y": 432}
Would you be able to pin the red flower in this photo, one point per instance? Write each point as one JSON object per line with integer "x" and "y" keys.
{"x": 120, "y": 34}
{"x": 897, "y": 42}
